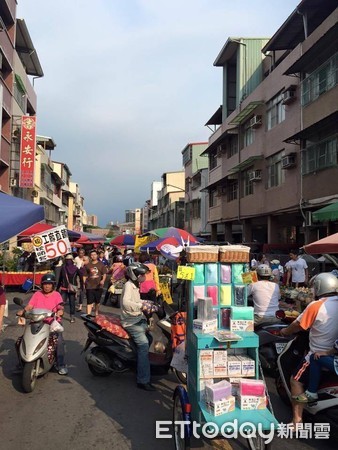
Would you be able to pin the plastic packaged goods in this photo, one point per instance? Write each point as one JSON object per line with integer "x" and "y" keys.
{"x": 225, "y": 273}
{"x": 248, "y": 365}
{"x": 217, "y": 391}
{"x": 205, "y": 326}
{"x": 199, "y": 274}
{"x": 199, "y": 292}
{"x": 212, "y": 292}
{"x": 242, "y": 313}
{"x": 204, "y": 309}
{"x": 236, "y": 273}
{"x": 202, "y": 253}
{"x": 225, "y": 294}
{"x": 211, "y": 273}
{"x": 225, "y": 317}
{"x": 248, "y": 387}
{"x": 240, "y": 295}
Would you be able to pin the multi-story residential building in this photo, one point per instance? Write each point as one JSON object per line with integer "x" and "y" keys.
{"x": 273, "y": 156}
{"x": 64, "y": 173}
{"x": 76, "y": 206}
{"x": 151, "y": 213}
{"x": 196, "y": 196}
{"x": 170, "y": 208}
{"x": 90, "y": 219}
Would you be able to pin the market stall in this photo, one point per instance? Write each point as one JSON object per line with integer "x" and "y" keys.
{"x": 19, "y": 278}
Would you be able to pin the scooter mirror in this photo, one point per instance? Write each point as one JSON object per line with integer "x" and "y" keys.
{"x": 18, "y": 301}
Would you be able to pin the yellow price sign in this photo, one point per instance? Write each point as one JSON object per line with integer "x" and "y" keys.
{"x": 186, "y": 273}
{"x": 165, "y": 291}
{"x": 249, "y": 277}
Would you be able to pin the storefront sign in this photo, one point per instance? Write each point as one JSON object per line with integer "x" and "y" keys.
{"x": 185, "y": 273}
{"x": 27, "y": 151}
{"x": 51, "y": 244}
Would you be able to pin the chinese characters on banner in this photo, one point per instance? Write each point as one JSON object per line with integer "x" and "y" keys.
{"x": 27, "y": 151}
{"x": 51, "y": 244}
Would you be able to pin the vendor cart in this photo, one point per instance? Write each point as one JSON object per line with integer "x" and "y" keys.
{"x": 222, "y": 282}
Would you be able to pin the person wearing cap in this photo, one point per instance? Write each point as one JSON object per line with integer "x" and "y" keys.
{"x": 69, "y": 277}
{"x": 266, "y": 295}
{"x": 128, "y": 257}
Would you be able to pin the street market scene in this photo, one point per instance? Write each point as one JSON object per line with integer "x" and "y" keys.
{"x": 153, "y": 302}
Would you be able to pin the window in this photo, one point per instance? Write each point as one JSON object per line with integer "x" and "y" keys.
{"x": 275, "y": 172}
{"x": 275, "y": 113}
{"x": 232, "y": 191}
{"x": 249, "y": 134}
{"x": 320, "y": 81}
{"x": 232, "y": 147}
{"x": 213, "y": 160}
{"x": 213, "y": 198}
{"x": 320, "y": 155}
{"x": 247, "y": 185}
{"x": 187, "y": 155}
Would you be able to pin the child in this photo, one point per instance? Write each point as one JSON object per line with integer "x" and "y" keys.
{"x": 319, "y": 360}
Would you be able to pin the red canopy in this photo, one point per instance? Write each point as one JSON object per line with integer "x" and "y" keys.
{"x": 36, "y": 229}
{"x": 329, "y": 244}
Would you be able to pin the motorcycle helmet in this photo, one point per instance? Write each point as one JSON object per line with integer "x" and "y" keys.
{"x": 324, "y": 284}
{"x": 118, "y": 258}
{"x": 263, "y": 270}
{"x": 48, "y": 278}
{"x": 134, "y": 270}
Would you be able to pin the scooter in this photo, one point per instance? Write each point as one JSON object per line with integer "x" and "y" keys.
{"x": 36, "y": 349}
{"x": 271, "y": 343}
{"x": 115, "y": 354}
{"x": 288, "y": 361}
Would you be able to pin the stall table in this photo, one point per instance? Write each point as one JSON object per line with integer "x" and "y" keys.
{"x": 18, "y": 278}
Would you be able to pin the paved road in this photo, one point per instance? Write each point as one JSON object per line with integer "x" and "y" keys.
{"x": 81, "y": 411}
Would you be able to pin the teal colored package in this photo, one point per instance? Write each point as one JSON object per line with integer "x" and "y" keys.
{"x": 211, "y": 273}
{"x": 199, "y": 274}
{"x": 237, "y": 270}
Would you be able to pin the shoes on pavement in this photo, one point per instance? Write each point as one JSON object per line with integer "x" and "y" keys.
{"x": 79, "y": 309}
{"x": 72, "y": 319}
{"x": 311, "y": 396}
{"x": 62, "y": 370}
{"x": 146, "y": 386}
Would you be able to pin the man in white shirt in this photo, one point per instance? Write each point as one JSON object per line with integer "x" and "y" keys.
{"x": 265, "y": 295}
{"x": 297, "y": 270}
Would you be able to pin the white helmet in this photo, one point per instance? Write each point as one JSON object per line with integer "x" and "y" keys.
{"x": 263, "y": 270}
{"x": 324, "y": 284}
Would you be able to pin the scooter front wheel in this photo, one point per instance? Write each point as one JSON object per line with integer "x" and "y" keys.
{"x": 181, "y": 376}
{"x": 29, "y": 376}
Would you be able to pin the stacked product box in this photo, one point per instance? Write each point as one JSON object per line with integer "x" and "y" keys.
{"x": 218, "y": 398}
{"x": 251, "y": 394}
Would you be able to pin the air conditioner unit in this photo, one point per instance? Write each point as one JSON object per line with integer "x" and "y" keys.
{"x": 288, "y": 161}
{"x": 13, "y": 182}
{"x": 255, "y": 122}
{"x": 288, "y": 96}
{"x": 255, "y": 175}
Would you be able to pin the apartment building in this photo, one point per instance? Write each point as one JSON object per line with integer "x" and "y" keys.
{"x": 273, "y": 154}
{"x": 170, "y": 208}
{"x": 196, "y": 197}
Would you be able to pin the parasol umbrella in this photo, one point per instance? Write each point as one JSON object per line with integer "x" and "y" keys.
{"x": 177, "y": 233}
{"x": 329, "y": 244}
{"x": 17, "y": 215}
{"x": 42, "y": 227}
{"x": 123, "y": 239}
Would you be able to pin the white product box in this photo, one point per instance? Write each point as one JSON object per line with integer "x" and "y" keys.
{"x": 234, "y": 386}
{"x": 222, "y": 406}
{"x": 205, "y": 326}
{"x": 241, "y": 325}
{"x": 206, "y": 363}
{"x": 220, "y": 363}
{"x": 234, "y": 366}
{"x": 249, "y": 402}
{"x": 248, "y": 366}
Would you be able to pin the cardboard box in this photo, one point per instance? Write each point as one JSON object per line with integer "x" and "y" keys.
{"x": 234, "y": 386}
{"x": 217, "y": 391}
{"x": 220, "y": 363}
{"x": 206, "y": 363}
{"x": 234, "y": 366}
{"x": 248, "y": 402}
{"x": 221, "y": 407}
{"x": 205, "y": 326}
{"x": 248, "y": 366}
{"x": 241, "y": 325}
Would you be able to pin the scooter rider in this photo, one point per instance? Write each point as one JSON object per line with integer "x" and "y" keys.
{"x": 321, "y": 318}
{"x": 49, "y": 298}
{"x": 135, "y": 322}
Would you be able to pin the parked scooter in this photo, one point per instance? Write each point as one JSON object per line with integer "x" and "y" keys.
{"x": 271, "y": 343}
{"x": 36, "y": 349}
{"x": 115, "y": 354}
{"x": 288, "y": 361}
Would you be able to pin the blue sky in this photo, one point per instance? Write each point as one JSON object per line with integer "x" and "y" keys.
{"x": 128, "y": 83}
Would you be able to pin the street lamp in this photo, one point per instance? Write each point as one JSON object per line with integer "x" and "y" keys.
{"x": 189, "y": 201}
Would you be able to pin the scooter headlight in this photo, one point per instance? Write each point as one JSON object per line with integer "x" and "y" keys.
{"x": 40, "y": 345}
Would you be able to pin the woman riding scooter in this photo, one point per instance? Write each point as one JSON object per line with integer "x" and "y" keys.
{"x": 49, "y": 298}
{"x": 135, "y": 322}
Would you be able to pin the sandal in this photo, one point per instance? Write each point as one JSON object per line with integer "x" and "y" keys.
{"x": 79, "y": 309}
{"x": 301, "y": 398}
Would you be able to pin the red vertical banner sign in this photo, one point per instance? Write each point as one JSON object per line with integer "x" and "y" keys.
{"x": 27, "y": 151}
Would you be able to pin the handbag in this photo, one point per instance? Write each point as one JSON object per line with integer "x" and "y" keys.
{"x": 71, "y": 287}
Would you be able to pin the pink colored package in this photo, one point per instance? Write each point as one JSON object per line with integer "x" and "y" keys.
{"x": 212, "y": 291}
{"x": 251, "y": 387}
{"x": 199, "y": 292}
{"x": 225, "y": 273}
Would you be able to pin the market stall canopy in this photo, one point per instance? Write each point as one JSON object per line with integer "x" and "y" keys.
{"x": 89, "y": 238}
{"x": 328, "y": 245}
{"x": 17, "y": 215}
{"x": 326, "y": 214}
{"x": 123, "y": 239}
{"x": 177, "y": 233}
{"x": 42, "y": 227}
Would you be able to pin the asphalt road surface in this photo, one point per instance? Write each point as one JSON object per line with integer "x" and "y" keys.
{"x": 81, "y": 411}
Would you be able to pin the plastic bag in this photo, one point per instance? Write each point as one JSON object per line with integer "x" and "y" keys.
{"x": 56, "y": 327}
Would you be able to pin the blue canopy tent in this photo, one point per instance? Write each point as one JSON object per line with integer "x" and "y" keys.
{"x": 16, "y": 215}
